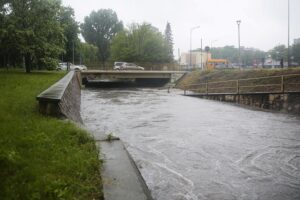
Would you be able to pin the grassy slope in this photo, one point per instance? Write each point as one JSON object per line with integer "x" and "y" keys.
{"x": 42, "y": 157}
{"x": 230, "y": 74}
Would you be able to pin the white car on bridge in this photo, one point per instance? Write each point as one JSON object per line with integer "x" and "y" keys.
{"x": 126, "y": 66}
{"x": 64, "y": 66}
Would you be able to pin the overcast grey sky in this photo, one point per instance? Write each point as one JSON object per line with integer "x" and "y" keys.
{"x": 264, "y": 22}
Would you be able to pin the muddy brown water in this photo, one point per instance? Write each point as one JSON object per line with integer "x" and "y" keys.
{"x": 189, "y": 148}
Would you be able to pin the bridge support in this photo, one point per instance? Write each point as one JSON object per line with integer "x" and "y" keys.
{"x": 128, "y": 78}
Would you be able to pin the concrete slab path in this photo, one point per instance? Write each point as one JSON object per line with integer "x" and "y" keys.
{"x": 120, "y": 176}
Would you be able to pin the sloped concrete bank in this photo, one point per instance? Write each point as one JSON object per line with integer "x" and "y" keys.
{"x": 121, "y": 177}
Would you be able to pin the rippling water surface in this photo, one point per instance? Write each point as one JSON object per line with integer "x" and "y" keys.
{"x": 190, "y": 148}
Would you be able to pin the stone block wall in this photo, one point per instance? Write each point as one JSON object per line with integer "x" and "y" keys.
{"x": 280, "y": 102}
{"x": 62, "y": 99}
{"x": 69, "y": 105}
{"x": 292, "y": 103}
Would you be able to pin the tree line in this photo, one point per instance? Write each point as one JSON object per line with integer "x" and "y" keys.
{"x": 250, "y": 56}
{"x": 37, "y": 34}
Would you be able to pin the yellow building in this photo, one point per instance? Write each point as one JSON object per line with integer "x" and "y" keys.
{"x": 216, "y": 63}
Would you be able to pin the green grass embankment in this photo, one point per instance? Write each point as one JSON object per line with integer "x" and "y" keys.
{"x": 42, "y": 157}
{"x": 198, "y": 77}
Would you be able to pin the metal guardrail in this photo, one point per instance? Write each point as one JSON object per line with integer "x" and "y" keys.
{"x": 262, "y": 85}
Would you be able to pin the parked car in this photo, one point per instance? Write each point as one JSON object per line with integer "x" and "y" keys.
{"x": 80, "y": 67}
{"x": 117, "y": 65}
{"x": 126, "y": 66}
{"x": 77, "y": 67}
{"x": 64, "y": 66}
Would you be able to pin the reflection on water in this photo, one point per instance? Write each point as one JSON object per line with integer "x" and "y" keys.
{"x": 190, "y": 148}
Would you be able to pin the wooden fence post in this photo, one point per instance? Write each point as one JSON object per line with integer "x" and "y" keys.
{"x": 282, "y": 84}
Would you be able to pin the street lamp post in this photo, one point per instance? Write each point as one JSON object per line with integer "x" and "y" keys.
{"x": 201, "y": 61}
{"x": 238, "y": 23}
{"x": 288, "y": 52}
{"x": 211, "y": 43}
{"x": 73, "y": 53}
{"x": 193, "y": 28}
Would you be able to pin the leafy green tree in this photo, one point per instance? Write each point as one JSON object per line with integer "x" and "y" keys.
{"x": 169, "y": 42}
{"x": 296, "y": 53}
{"x": 33, "y": 32}
{"x": 71, "y": 31}
{"x": 249, "y": 56}
{"x": 88, "y": 53}
{"x": 140, "y": 43}
{"x": 99, "y": 28}
{"x": 7, "y": 50}
{"x": 228, "y": 52}
{"x": 279, "y": 52}
{"x": 207, "y": 49}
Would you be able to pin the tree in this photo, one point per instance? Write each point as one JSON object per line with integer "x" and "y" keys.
{"x": 169, "y": 42}
{"x": 207, "y": 49}
{"x": 88, "y": 53}
{"x": 7, "y": 51}
{"x": 279, "y": 52}
{"x": 249, "y": 56}
{"x": 32, "y": 31}
{"x": 228, "y": 52}
{"x": 71, "y": 31}
{"x": 99, "y": 28}
{"x": 139, "y": 43}
{"x": 296, "y": 53}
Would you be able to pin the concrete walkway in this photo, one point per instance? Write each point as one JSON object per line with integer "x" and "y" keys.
{"x": 120, "y": 176}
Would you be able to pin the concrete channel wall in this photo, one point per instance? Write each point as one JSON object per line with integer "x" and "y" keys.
{"x": 63, "y": 98}
{"x": 121, "y": 178}
{"x": 280, "y": 102}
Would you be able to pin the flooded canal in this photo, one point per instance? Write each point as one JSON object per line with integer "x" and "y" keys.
{"x": 190, "y": 148}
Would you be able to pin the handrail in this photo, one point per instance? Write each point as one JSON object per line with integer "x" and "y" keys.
{"x": 208, "y": 85}
{"x": 266, "y": 85}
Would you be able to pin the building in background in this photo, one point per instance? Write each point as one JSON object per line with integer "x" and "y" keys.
{"x": 198, "y": 60}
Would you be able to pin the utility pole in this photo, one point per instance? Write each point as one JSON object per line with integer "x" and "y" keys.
{"x": 288, "y": 52}
{"x": 191, "y": 31}
{"x": 179, "y": 57}
{"x": 238, "y": 23}
{"x": 201, "y": 56}
{"x": 73, "y": 52}
{"x": 80, "y": 58}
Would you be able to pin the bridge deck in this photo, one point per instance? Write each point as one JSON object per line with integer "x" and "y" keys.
{"x": 130, "y": 72}
{"x": 113, "y": 75}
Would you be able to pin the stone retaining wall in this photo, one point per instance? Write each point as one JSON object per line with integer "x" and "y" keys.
{"x": 281, "y": 102}
{"x": 63, "y": 98}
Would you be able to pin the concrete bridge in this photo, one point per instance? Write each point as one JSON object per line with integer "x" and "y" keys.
{"x": 114, "y": 77}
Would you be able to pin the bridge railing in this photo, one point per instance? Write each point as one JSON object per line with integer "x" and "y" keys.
{"x": 272, "y": 84}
